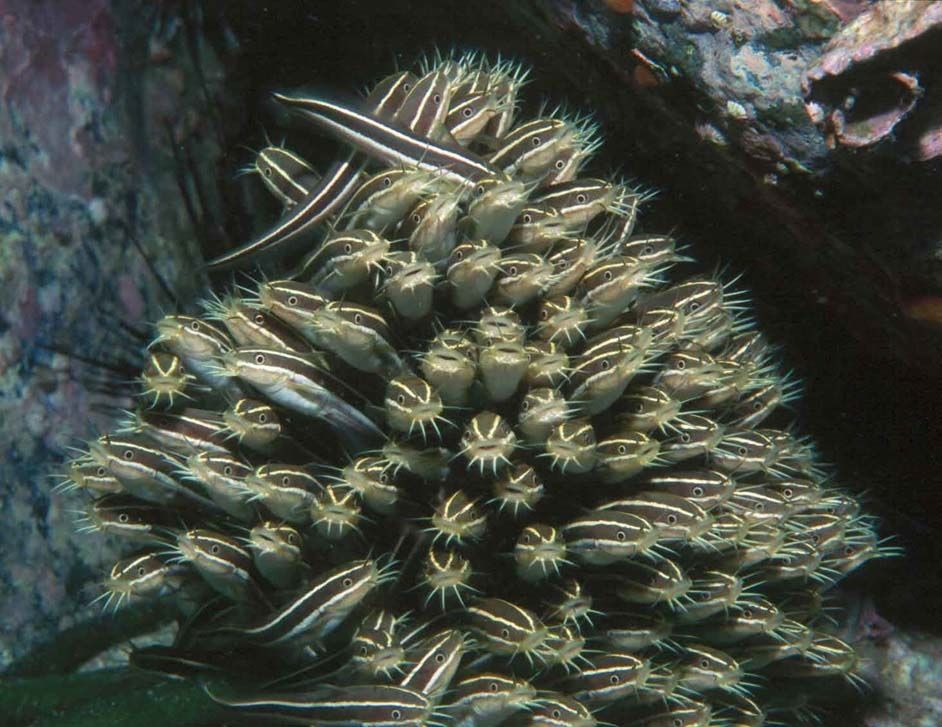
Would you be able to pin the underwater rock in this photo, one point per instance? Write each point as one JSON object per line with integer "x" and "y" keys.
{"x": 905, "y": 666}
{"x": 82, "y": 197}
{"x": 874, "y": 73}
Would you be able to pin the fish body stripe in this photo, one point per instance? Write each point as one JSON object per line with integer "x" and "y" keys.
{"x": 335, "y": 189}
{"x": 332, "y": 588}
{"x": 389, "y": 143}
{"x": 435, "y": 664}
{"x": 372, "y": 705}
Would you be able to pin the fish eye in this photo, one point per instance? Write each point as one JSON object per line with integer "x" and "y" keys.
{"x": 141, "y": 570}
{"x": 479, "y": 190}
{"x": 357, "y": 318}
{"x": 437, "y": 98}
{"x": 756, "y": 405}
{"x": 671, "y": 519}
{"x": 680, "y": 364}
{"x": 704, "y": 663}
{"x": 467, "y": 112}
{"x": 260, "y": 359}
{"x": 195, "y": 325}
{"x": 647, "y": 250}
{"x": 347, "y": 582}
{"x": 291, "y": 538}
{"x": 259, "y": 318}
{"x": 527, "y": 219}
{"x": 536, "y": 141}
{"x": 525, "y": 538}
{"x": 293, "y": 300}
{"x": 607, "y": 275}
{"x": 544, "y": 314}
{"x": 285, "y": 480}
{"x": 613, "y": 679}
{"x": 262, "y": 418}
{"x": 684, "y": 437}
{"x": 364, "y": 651}
{"x": 605, "y": 364}
{"x": 787, "y": 492}
{"x": 742, "y": 451}
{"x": 401, "y": 399}
{"x": 622, "y": 449}
{"x": 407, "y": 87}
{"x": 348, "y": 248}
{"x": 525, "y": 406}
{"x": 560, "y": 164}
{"x": 123, "y": 517}
{"x": 848, "y": 550}
{"x": 557, "y": 714}
{"x": 128, "y": 454}
{"x": 227, "y": 470}
{"x": 760, "y": 506}
{"x": 678, "y": 722}
{"x": 384, "y": 478}
{"x": 512, "y": 271}
{"x": 100, "y": 471}
{"x": 562, "y": 264}
{"x": 440, "y": 658}
{"x": 581, "y": 198}
{"x": 459, "y": 254}
{"x": 396, "y": 714}
{"x": 620, "y": 536}
{"x": 694, "y": 306}
{"x": 697, "y": 491}
{"x": 494, "y": 686}
{"x": 815, "y": 538}
{"x": 639, "y": 408}
{"x": 747, "y": 612}
{"x": 387, "y": 182}
{"x": 416, "y": 218}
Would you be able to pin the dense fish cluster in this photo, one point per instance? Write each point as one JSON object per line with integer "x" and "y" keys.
{"x": 485, "y": 455}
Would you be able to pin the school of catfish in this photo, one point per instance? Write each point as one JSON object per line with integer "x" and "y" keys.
{"x": 484, "y": 453}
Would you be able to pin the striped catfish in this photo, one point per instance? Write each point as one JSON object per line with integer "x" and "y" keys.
{"x": 335, "y": 189}
{"x": 389, "y": 143}
{"x": 367, "y": 705}
{"x": 319, "y": 608}
{"x": 294, "y": 381}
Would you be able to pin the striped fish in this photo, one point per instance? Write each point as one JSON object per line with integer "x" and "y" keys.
{"x": 285, "y": 174}
{"x": 320, "y": 607}
{"x": 295, "y": 381}
{"x": 335, "y": 189}
{"x": 434, "y": 662}
{"x": 388, "y": 142}
{"x": 368, "y": 705}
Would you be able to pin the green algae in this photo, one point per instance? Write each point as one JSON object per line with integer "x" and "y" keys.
{"x": 105, "y": 697}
